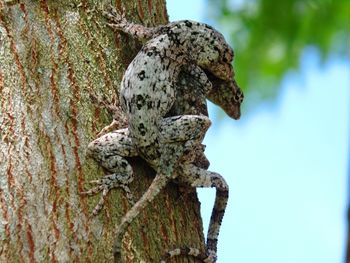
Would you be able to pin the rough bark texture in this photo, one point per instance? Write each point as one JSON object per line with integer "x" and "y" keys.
{"x": 53, "y": 56}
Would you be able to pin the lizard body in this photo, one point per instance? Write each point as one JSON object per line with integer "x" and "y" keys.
{"x": 165, "y": 125}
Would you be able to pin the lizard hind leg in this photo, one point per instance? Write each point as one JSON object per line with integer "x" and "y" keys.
{"x": 110, "y": 151}
{"x": 105, "y": 184}
{"x": 184, "y": 128}
{"x": 177, "y": 135}
{"x": 164, "y": 174}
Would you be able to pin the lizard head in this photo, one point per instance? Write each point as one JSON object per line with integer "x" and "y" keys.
{"x": 227, "y": 95}
{"x": 205, "y": 46}
{"x": 215, "y": 55}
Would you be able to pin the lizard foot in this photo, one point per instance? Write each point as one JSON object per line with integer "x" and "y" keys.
{"x": 184, "y": 251}
{"x": 112, "y": 126}
{"x": 117, "y": 18}
{"x": 104, "y": 185}
{"x": 211, "y": 257}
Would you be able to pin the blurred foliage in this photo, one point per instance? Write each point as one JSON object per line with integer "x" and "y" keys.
{"x": 269, "y": 36}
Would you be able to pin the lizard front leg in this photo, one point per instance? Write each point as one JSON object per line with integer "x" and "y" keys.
{"x": 119, "y": 22}
{"x": 192, "y": 88}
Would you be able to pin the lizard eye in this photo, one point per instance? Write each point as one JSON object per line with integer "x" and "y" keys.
{"x": 236, "y": 97}
{"x": 239, "y": 96}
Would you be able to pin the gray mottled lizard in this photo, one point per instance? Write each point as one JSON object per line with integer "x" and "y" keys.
{"x": 165, "y": 128}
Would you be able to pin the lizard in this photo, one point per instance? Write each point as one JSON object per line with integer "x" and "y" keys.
{"x": 148, "y": 92}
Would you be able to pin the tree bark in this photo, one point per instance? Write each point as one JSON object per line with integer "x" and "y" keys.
{"x": 54, "y": 57}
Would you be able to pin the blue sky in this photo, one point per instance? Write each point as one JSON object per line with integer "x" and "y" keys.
{"x": 286, "y": 164}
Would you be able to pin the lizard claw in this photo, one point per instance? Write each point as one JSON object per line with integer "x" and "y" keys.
{"x": 104, "y": 185}
{"x": 101, "y": 202}
{"x": 113, "y": 126}
{"x": 117, "y": 18}
{"x": 211, "y": 258}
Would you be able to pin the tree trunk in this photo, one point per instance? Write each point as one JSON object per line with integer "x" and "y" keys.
{"x": 55, "y": 56}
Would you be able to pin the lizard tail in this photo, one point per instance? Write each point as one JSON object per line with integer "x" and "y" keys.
{"x": 156, "y": 186}
{"x": 216, "y": 219}
{"x": 183, "y": 251}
